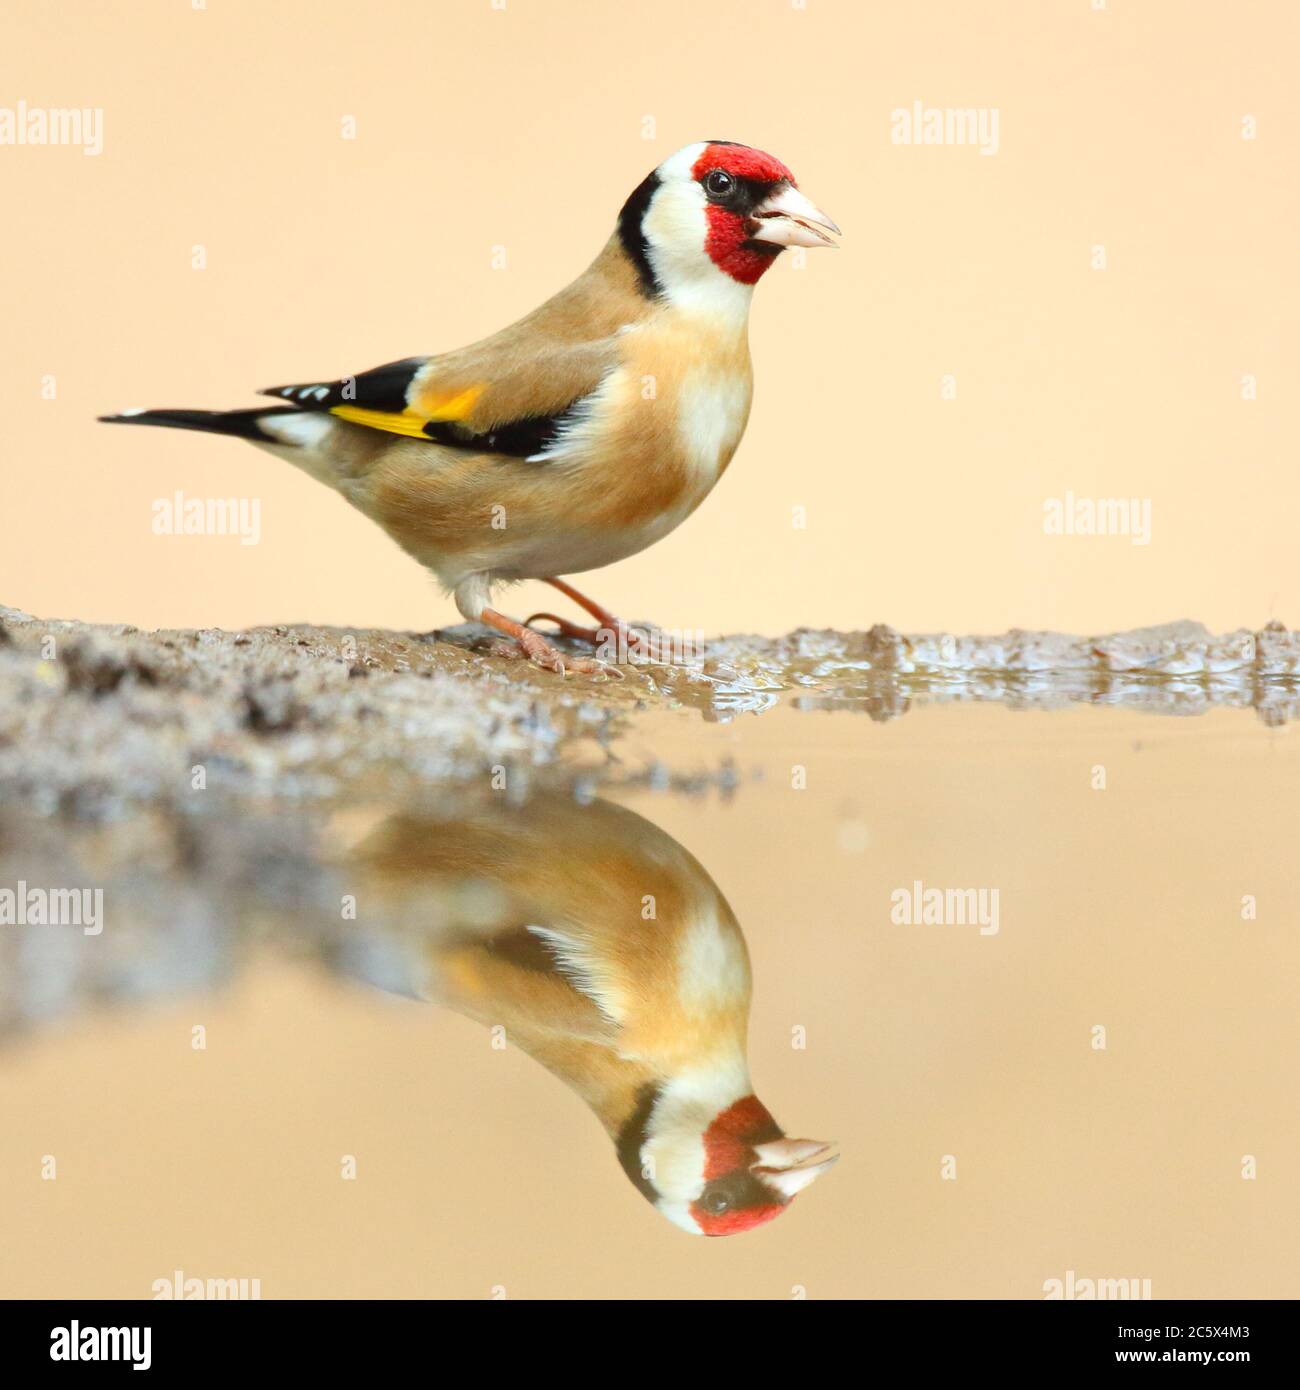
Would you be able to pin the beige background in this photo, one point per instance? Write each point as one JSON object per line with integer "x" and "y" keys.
{"x": 523, "y": 128}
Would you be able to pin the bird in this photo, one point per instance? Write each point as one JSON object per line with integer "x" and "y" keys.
{"x": 603, "y": 950}
{"x": 580, "y": 434}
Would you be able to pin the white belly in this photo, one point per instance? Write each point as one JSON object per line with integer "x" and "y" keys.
{"x": 711, "y": 414}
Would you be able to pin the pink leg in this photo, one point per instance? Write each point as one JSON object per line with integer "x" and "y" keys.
{"x": 645, "y": 646}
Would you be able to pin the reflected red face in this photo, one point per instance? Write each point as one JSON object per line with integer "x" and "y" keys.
{"x": 736, "y": 179}
{"x": 735, "y": 1199}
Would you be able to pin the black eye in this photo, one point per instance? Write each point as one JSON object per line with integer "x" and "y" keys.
{"x": 715, "y": 1201}
{"x": 719, "y": 185}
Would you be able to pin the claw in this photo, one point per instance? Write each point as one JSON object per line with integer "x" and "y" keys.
{"x": 542, "y": 653}
{"x": 530, "y": 643}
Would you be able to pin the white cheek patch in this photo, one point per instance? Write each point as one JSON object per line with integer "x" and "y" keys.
{"x": 677, "y": 1161}
{"x": 675, "y": 1152}
{"x": 679, "y": 1213}
{"x": 676, "y": 229}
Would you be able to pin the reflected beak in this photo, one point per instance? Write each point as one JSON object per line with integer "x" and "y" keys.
{"x": 787, "y": 218}
{"x": 787, "y": 1166}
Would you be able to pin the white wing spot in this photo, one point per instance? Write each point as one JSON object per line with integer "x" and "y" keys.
{"x": 573, "y": 962}
{"x": 582, "y": 420}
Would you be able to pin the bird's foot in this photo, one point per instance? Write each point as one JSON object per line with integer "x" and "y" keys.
{"x": 550, "y": 658}
{"x": 528, "y": 642}
{"x": 613, "y": 638}
{"x": 618, "y": 641}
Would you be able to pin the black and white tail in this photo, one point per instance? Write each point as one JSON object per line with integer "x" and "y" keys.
{"x": 243, "y": 424}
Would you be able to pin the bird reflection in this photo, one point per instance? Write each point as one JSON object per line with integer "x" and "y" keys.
{"x": 605, "y": 952}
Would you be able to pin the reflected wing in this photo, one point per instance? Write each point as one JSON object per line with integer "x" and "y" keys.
{"x": 517, "y": 977}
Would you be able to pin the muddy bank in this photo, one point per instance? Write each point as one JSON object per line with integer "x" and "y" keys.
{"x": 95, "y": 719}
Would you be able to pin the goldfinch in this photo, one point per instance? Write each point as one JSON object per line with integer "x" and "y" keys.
{"x": 607, "y": 953}
{"x": 579, "y": 435}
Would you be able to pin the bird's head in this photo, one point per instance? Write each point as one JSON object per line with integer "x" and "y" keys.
{"x": 716, "y": 1173}
{"x": 716, "y": 213}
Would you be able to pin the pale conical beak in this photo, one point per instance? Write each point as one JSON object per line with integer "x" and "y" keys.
{"x": 787, "y": 218}
{"x": 789, "y": 1165}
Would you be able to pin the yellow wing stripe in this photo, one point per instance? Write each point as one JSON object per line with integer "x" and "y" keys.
{"x": 408, "y": 422}
{"x": 411, "y": 422}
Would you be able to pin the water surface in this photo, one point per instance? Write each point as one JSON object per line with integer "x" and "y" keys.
{"x": 1068, "y": 1067}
